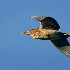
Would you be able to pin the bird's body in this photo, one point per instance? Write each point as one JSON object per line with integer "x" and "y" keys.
{"x": 49, "y": 30}
{"x": 41, "y": 33}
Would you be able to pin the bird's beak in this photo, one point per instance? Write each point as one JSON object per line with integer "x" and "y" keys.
{"x": 39, "y": 18}
{"x": 24, "y": 33}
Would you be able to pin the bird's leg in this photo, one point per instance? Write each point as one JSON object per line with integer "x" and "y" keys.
{"x": 67, "y": 34}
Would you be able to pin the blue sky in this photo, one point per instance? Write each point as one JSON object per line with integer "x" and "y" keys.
{"x": 21, "y": 52}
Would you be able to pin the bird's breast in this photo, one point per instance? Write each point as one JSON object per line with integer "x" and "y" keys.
{"x": 41, "y": 33}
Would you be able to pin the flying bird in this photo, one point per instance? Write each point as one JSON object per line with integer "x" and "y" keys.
{"x": 50, "y": 30}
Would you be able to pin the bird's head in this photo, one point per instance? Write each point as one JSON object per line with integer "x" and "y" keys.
{"x": 29, "y": 32}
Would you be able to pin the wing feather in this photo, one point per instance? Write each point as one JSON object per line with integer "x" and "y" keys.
{"x": 49, "y": 23}
{"x": 63, "y": 45}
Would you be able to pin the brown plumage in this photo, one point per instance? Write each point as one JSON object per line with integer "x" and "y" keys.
{"x": 50, "y": 30}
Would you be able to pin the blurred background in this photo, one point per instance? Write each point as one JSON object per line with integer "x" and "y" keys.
{"x": 21, "y": 52}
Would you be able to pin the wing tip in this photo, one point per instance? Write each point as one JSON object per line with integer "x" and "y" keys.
{"x": 39, "y": 18}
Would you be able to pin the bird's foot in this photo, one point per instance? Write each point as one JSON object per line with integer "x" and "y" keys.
{"x": 67, "y": 34}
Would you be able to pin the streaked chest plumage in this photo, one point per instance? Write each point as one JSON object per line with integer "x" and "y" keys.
{"x": 41, "y": 33}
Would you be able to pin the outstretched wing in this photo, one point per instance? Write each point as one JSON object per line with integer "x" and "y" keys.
{"x": 47, "y": 22}
{"x": 63, "y": 45}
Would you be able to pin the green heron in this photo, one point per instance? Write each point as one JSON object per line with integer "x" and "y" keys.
{"x": 50, "y": 30}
